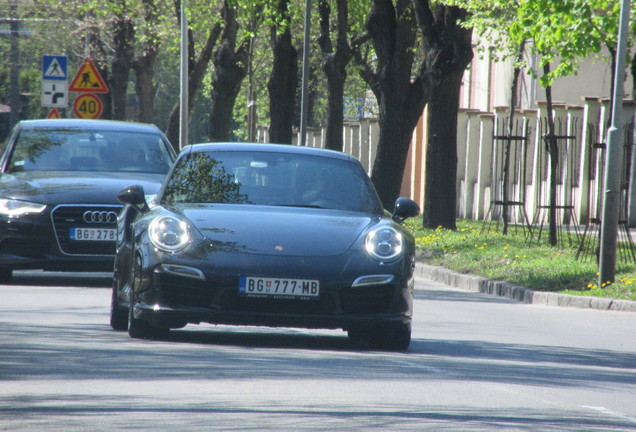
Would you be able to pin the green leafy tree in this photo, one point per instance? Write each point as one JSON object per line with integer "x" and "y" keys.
{"x": 202, "y": 179}
{"x": 567, "y": 32}
{"x": 198, "y": 65}
{"x": 491, "y": 21}
{"x": 560, "y": 33}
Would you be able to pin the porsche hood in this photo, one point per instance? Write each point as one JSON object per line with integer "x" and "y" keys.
{"x": 284, "y": 232}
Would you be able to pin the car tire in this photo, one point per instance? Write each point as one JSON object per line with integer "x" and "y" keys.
{"x": 390, "y": 337}
{"x": 138, "y": 328}
{"x": 6, "y": 275}
{"x": 118, "y": 315}
{"x": 394, "y": 337}
{"x": 361, "y": 338}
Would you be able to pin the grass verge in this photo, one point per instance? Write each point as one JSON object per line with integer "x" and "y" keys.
{"x": 514, "y": 258}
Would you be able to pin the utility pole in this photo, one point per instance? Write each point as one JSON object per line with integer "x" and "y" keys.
{"x": 304, "y": 100}
{"x": 183, "y": 79}
{"x": 14, "y": 74}
{"x": 614, "y": 161}
{"x": 251, "y": 95}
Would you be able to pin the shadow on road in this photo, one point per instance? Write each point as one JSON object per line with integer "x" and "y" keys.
{"x": 42, "y": 278}
{"x": 262, "y": 338}
{"x": 451, "y": 295}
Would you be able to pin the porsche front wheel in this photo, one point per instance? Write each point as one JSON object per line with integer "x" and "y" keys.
{"x": 139, "y": 328}
{"x": 118, "y": 315}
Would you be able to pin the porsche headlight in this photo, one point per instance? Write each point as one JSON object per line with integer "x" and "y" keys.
{"x": 169, "y": 233}
{"x": 11, "y": 207}
{"x": 384, "y": 243}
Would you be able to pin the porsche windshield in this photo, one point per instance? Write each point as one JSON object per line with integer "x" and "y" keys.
{"x": 89, "y": 150}
{"x": 264, "y": 178}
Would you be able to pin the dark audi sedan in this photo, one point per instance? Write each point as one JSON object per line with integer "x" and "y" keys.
{"x": 59, "y": 181}
{"x": 265, "y": 235}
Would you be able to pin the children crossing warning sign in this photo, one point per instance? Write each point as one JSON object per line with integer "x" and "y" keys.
{"x": 88, "y": 79}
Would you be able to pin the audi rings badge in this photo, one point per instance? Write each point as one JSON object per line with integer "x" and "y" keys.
{"x": 100, "y": 217}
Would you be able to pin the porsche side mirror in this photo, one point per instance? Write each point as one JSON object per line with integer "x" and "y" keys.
{"x": 404, "y": 209}
{"x": 134, "y": 196}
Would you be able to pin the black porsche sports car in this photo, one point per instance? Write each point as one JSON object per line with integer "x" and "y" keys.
{"x": 59, "y": 181}
{"x": 265, "y": 235}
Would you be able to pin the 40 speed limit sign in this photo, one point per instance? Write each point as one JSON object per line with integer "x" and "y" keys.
{"x": 88, "y": 106}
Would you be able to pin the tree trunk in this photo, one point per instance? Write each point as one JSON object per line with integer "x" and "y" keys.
{"x": 196, "y": 73}
{"x": 335, "y": 68}
{"x": 335, "y": 111}
{"x": 144, "y": 66}
{"x": 400, "y": 101}
{"x": 283, "y": 81}
{"x": 396, "y": 129}
{"x": 399, "y": 114}
{"x": 441, "y": 154}
{"x": 123, "y": 36}
{"x": 230, "y": 68}
{"x": 403, "y": 92}
{"x": 229, "y": 73}
{"x": 97, "y": 51}
{"x": 633, "y": 70}
{"x": 553, "y": 150}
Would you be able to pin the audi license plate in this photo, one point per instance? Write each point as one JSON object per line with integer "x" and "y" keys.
{"x": 93, "y": 234}
{"x": 279, "y": 287}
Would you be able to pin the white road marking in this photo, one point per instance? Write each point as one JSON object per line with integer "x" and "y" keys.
{"x": 609, "y": 412}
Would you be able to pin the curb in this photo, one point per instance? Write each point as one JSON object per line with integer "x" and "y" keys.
{"x": 515, "y": 292}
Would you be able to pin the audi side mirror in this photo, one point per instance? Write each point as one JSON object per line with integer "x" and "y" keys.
{"x": 134, "y": 196}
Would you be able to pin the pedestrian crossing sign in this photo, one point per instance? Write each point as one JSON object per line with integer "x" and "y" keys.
{"x": 54, "y": 67}
{"x": 88, "y": 79}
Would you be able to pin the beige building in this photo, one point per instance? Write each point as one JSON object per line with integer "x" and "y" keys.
{"x": 487, "y": 84}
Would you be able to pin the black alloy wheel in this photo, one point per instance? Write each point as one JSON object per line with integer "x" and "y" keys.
{"x": 138, "y": 328}
{"x": 118, "y": 315}
{"x": 6, "y": 275}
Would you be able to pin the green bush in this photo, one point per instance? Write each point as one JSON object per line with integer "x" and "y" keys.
{"x": 481, "y": 249}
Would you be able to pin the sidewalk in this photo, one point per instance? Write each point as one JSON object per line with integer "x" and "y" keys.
{"x": 519, "y": 293}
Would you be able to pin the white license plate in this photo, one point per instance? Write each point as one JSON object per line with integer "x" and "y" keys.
{"x": 279, "y": 287}
{"x": 93, "y": 234}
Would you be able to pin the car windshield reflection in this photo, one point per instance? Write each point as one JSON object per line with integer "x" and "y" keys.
{"x": 278, "y": 179}
{"x": 81, "y": 150}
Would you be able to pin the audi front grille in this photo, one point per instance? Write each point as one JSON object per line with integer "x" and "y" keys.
{"x": 66, "y": 217}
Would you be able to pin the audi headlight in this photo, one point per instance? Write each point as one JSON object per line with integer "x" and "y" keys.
{"x": 169, "y": 233}
{"x": 11, "y": 207}
{"x": 384, "y": 243}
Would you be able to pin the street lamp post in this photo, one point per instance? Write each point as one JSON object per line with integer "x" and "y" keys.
{"x": 183, "y": 80}
{"x": 614, "y": 161}
{"x": 304, "y": 100}
{"x": 14, "y": 74}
